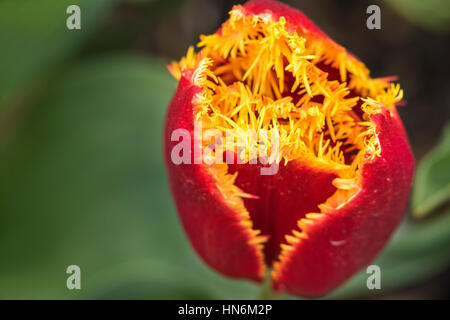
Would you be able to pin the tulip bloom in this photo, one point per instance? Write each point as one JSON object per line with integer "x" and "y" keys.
{"x": 344, "y": 161}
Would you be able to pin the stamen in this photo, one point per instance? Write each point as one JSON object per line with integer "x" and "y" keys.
{"x": 261, "y": 74}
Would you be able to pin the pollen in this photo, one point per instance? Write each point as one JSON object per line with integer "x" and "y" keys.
{"x": 258, "y": 74}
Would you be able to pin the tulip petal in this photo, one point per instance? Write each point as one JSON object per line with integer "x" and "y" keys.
{"x": 344, "y": 240}
{"x": 283, "y": 198}
{"x": 345, "y": 166}
{"x": 223, "y": 237}
{"x": 293, "y": 16}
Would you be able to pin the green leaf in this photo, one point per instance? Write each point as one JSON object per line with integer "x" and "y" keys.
{"x": 34, "y": 38}
{"x": 432, "y": 182}
{"x": 83, "y": 182}
{"x": 431, "y": 14}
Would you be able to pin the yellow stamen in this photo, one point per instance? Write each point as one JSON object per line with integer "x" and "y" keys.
{"x": 259, "y": 74}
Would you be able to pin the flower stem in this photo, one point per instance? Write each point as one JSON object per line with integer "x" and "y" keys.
{"x": 267, "y": 293}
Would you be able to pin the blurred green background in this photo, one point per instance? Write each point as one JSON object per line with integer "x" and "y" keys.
{"x": 82, "y": 179}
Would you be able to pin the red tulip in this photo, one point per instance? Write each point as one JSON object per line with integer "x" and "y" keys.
{"x": 342, "y": 165}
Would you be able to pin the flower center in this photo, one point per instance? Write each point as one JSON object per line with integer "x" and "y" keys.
{"x": 260, "y": 75}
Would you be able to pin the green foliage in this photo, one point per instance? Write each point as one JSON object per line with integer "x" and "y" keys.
{"x": 432, "y": 183}
{"x": 431, "y": 14}
{"x": 83, "y": 183}
{"x": 35, "y": 38}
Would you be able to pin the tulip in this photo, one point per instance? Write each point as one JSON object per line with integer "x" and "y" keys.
{"x": 343, "y": 164}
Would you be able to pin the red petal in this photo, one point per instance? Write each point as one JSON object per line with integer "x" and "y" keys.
{"x": 293, "y": 16}
{"x": 283, "y": 198}
{"x": 215, "y": 230}
{"x": 335, "y": 245}
{"x": 343, "y": 241}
